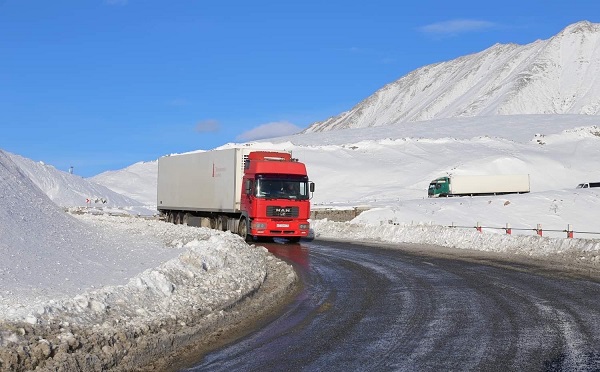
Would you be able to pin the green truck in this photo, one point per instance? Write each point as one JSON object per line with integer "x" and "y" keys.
{"x": 479, "y": 185}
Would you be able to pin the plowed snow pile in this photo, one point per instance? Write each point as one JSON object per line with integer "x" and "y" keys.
{"x": 98, "y": 291}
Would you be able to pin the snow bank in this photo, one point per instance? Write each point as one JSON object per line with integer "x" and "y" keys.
{"x": 213, "y": 272}
{"x": 582, "y": 250}
{"x": 47, "y": 253}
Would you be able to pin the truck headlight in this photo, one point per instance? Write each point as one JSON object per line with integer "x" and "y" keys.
{"x": 304, "y": 226}
{"x": 259, "y": 225}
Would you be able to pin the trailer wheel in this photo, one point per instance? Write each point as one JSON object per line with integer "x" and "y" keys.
{"x": 243, "y": 229}
{"x": 219, "y": 223}
{"x": 170, "y": 217}
{"x": 186, "y": 219}
{"x": 222, "y": 223}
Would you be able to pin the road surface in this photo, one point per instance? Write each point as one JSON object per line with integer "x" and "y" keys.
{"x": 369, "y": 308}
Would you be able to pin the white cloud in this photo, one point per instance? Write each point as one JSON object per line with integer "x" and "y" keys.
{"x": 209, "y": 125}
{"x": 269, "y": 130}
{"x": 456, "y": 26}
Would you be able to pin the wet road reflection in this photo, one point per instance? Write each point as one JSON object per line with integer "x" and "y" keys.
{"x": 295, "y": 254}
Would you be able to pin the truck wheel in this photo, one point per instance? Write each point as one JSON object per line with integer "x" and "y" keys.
{"x": 243, "y": 229}
{"x": 213, "y": 222}
{"x": 219, "y": 224}
{"x": 224, "y": 223}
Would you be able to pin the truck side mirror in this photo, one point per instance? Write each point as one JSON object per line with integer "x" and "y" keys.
{"x": 312, "y": 187}
{"x": 248, "y": 187}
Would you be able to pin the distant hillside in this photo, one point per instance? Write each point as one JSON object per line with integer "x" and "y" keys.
{"x": 68, "y": 190}
{"x": 560, "y": 75}
{"x": 138, "y": 181}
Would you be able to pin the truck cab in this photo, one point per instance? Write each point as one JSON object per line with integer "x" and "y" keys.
{"x": 275, "y": 196}
{"x": 439, "y": 187}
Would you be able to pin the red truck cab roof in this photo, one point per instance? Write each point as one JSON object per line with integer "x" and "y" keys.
{"x": 266, "y": 162}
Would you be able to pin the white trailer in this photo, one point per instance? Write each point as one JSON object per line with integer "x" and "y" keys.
{"x": 202, "y": 181}
{"x": 479, "y": 185}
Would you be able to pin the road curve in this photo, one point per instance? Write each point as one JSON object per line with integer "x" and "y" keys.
{"x": 368, "y": 308}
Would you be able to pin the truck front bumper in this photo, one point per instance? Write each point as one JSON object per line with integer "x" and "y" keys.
{"x": 285, "y": 228}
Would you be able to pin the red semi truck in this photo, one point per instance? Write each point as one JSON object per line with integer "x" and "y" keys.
{"x": 254, "y": 193}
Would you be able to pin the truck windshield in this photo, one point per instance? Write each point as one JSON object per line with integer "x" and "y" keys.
{"x": 271, "y": 188}
{"x": 434, "y": 186}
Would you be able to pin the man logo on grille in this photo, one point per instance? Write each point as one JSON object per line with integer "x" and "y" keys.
{"x": 283, "y": 211}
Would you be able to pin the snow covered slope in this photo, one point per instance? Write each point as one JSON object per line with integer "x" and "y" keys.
{"x": 394, "y": 163}
{"x": 388, "y": 169}
{"x": 69, "y": 190}
{"x": 138, "y": 181}
{"x": 48, "y": 252}
{"x": 560, "y": 75}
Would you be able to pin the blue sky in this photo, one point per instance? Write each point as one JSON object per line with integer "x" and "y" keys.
{"x": 101, "y": 84}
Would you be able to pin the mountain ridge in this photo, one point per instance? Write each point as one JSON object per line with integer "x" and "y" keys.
{"x": 553, "y": 76}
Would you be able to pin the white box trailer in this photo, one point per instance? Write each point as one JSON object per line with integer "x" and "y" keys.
{"x": 479, "y": 185}
{"x": 202, "y": 181}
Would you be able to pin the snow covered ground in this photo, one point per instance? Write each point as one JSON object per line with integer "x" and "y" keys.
{"x": 84, "y": 273}
{"x": 389, "y": 168}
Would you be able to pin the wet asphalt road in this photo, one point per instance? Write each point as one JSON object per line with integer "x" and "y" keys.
{"x": 365, "y": 308}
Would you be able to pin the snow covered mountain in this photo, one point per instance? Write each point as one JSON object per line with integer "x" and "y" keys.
{"x": 560, "y": 75}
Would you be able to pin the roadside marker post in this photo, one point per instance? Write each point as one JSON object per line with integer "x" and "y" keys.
{"x": 569, "y": 231}
{"x": 538, "y": 230}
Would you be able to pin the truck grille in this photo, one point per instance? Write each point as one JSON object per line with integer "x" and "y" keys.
{"x": 273, "y": 211}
